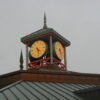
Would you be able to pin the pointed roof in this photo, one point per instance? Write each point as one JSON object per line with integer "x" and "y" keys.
{"x": 44, "y": 32}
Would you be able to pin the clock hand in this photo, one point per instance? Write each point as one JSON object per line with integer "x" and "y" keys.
{"x": 60, "y": 51}
{"x": 38, "y": 49}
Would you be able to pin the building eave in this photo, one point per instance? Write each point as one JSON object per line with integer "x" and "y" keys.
{"x": 49, "y": 76}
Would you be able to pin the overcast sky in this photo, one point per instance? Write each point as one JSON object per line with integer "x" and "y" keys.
{"x": 77, "y": 20}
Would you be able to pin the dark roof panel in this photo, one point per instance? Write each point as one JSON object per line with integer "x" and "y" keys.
{"x": 26, "y": 90}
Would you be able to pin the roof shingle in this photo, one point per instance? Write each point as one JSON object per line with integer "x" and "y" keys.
{"x": 26, "y": 90}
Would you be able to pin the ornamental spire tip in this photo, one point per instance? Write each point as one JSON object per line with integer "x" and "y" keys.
{"x": 45, "y": 25}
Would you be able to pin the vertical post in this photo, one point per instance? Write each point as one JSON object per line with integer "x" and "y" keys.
{"x": 26, "y": 57}
{"x": 65, "y": 58}
{"x": 51, "y": 51}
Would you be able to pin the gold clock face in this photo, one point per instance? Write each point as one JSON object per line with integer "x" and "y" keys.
{"x": 59, "y": 50}
{"x": 38, "y": 49}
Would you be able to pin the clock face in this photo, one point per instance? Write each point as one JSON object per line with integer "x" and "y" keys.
{"x": 59, "y": 50}
{"x": 38, "y": 49}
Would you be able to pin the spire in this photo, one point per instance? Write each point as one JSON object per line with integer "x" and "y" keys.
{"x": 21, "y": 61}
{"x": 45, "y": 25}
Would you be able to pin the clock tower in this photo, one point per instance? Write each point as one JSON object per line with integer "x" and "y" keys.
{"x": 45, "y": 49}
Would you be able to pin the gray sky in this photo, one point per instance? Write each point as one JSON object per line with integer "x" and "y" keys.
{"x": 77, "y": 20}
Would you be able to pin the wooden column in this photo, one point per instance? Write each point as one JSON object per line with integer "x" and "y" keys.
{"x": 26, "y": 57}
{"x": 51, "y": 51}
{"x": 65, "y": 58}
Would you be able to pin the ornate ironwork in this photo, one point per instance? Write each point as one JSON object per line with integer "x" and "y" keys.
{"x": 45, "y": 62}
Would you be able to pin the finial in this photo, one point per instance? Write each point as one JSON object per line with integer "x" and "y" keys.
{"x": 21, "y": 61}
{"x": 45, "y": 25}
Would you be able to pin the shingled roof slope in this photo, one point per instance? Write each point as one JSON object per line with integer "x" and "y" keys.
{"x": 48, "y": 85}
{"x": 26, "y": 90}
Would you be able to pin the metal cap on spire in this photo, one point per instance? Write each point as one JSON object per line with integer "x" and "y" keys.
{"x": 45, "y": 25}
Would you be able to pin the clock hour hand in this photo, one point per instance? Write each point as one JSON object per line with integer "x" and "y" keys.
{"x": 60, "y": 50}
{"x": 38, "y": 49}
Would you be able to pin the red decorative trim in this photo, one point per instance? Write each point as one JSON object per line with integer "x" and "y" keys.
{"x": 50, "y": 33}
{"x": 44, "y": 62}
{"x": 41, "y": 60}
{"x": 36, "y": 37}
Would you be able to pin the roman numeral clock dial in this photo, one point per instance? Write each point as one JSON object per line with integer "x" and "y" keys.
{"x": 38, "y": 49}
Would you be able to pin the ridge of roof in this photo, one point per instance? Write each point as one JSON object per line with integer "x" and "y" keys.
{"x": 10, "y": 85}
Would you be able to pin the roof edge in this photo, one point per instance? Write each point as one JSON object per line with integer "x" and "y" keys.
{"x": 49, "y": 76}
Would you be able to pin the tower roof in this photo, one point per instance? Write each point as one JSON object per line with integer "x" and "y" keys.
{"x": 44, "y": 32}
